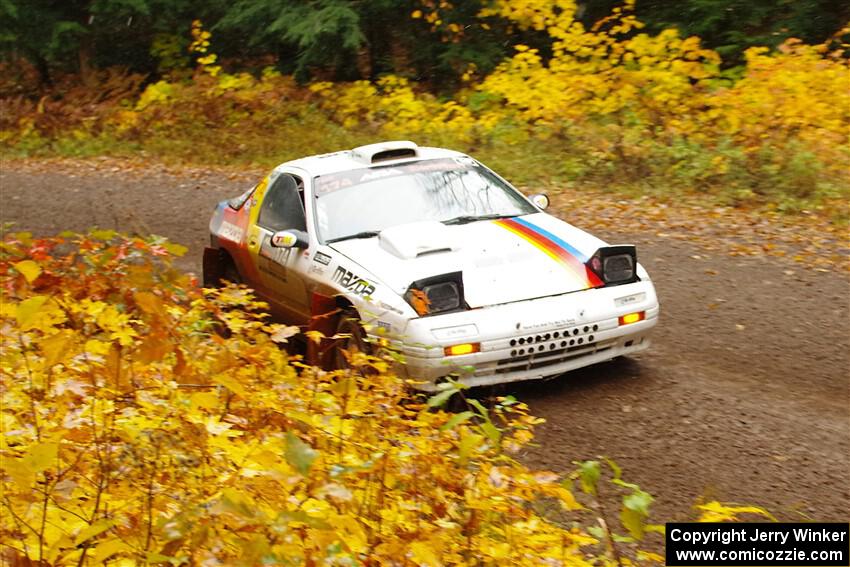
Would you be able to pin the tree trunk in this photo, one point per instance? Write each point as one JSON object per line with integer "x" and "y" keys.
{"x": 45, "y": 81}
{"x": 84, "y": 57}
{"x": 85, "y": 51}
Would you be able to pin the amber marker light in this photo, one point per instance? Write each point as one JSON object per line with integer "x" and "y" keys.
{"x": 465, "y": 348}
{"x": 630, "y": 318}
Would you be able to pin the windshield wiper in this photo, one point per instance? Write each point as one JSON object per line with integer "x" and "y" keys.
{"x": 364, "y": 234}
{"x": 464, "y": 219}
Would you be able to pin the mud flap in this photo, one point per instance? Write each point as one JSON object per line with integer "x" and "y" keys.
{"x": 212, "y": 267}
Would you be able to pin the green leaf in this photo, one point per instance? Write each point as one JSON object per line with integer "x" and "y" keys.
{"x": 175, "y": 249}
{"x": 596, "y": 532}
{"x": 456, "y": 420}
{"x": 440, "y": 399}
{"x": 99, "y": 234}
{"x": 492, "y": 432}
{"x": 589, "y": 472}
{"x": 638, "y": 501}
{"x": 618, "y": 472}
{"x": 635, "y": 512}
{"x": 482, "y": 411}
{"x": 299, "y": 454}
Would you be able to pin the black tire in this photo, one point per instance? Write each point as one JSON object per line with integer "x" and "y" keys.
{"x": 353, "y": 341}
{"x": 229, "y": 272}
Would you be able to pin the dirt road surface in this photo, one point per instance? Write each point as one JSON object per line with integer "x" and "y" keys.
{"x": 744, "y": 396}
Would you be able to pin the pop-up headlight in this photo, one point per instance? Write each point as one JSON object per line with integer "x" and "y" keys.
{"x": 615, "y": 264}
{"x": 437, "y": 294}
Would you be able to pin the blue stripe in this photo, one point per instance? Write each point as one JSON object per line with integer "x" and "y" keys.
{"x": 559, "y": 241}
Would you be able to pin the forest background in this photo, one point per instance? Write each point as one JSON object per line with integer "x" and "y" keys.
{"x": 729, "y": 102}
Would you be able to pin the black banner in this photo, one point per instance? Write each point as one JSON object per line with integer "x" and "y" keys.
{"x": 762, "y": 544}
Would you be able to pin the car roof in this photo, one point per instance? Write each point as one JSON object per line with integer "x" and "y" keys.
{"x": 368, "y": 156}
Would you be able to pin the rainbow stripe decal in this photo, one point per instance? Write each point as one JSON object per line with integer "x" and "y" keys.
{"x": 556, "y": 248}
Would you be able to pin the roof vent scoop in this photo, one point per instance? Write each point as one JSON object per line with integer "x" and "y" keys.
{"x": 385, "y": 151}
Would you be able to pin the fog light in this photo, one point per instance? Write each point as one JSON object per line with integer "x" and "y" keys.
{"x": 632, "y": 318}
{"x": 465, "y": 348}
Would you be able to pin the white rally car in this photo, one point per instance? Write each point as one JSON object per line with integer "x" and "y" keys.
{"x": 430, "y": 249}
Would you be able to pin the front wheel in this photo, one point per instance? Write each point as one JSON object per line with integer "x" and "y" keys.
{"x": 351, "y": 339}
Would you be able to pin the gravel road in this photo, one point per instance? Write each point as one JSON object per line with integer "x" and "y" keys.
{"x": 744, "y": 396}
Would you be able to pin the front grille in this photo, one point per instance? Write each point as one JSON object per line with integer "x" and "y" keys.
{"x": 547, "y": 349}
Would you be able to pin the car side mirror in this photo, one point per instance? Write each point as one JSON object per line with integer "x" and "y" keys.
{"x": 540, "y": 200}
{"x": 289, "y": 239}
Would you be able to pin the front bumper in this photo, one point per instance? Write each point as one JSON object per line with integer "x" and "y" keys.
{"x": 531, "y": 339}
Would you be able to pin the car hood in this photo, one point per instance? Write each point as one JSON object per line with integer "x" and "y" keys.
{"x": 501, "y": 261}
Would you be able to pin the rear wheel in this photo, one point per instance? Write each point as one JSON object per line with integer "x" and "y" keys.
{"x": 229, "y": 273}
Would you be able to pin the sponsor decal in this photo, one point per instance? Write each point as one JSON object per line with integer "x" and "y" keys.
{"x": 455, "y": 333}
{"x": 322, "y": 258}
{"x": 334, "y": 182}
{"x": 629, "y": 299}
{"x": 352, "y": 282}
{"x": 272, "y": 261}
{"x": 378, "y": 174}
{"x": 389, "y": 307}
{"x": 230, "y": 231}
{"x": 284, "y": 239}
{"x": 556, "y": 248}
{"x": 384, "y": 325}
{"x": 275, "y": 254}
{"x": 314, "y": 269}
{"x": 545, "y": 324}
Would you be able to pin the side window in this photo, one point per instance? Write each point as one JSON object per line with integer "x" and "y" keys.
{"x": 283, "y": 207}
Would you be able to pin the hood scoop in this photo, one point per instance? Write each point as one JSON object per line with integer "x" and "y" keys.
{"x": 409, "y": 241}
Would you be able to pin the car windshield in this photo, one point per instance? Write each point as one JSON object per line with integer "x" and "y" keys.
{"x": 361, "y": 203}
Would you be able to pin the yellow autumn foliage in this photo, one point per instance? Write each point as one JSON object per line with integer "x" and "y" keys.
{"x": 609, "y": 104}
{"x": 145, "y": 420}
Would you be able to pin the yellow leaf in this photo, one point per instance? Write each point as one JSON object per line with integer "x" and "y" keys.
{"x": 316, "y": 508}
{"x": 29, "y": 269}
{"x": 61, "y": 543}
{"x": 230, "y": 383}
{"x": 315, "y": 336}
{"x": 96, "y": 347}
{"x": 42, "y": 456}
{"x": 94, "y": 529}
{"x": 352, "y": 533}
{"x": 153, "y": 348}
{"x": 107, "y": 549}
{"x": 469, "y": 442}
{"x": 28, "y": 310}
{"x": 21, "y": 473}
{"x": 423, "y": 554}
{"x": 206, "y": 400}
{"x": 148, "y": 302}
{"x": 568, "y": 501}
{"x": 55, "y": 346}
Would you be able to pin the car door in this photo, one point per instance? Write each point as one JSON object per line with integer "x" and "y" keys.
{"x": 281, "y": 270}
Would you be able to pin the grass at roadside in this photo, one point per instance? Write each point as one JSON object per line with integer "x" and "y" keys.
{"x": 532, "y": 164}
